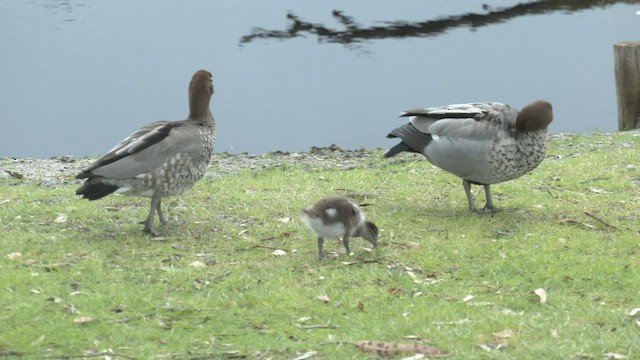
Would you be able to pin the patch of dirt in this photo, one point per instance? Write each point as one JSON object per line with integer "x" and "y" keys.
{"x": 62, "y": 170}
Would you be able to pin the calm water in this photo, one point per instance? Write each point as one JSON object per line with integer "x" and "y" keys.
{"x": 78, "y": 76}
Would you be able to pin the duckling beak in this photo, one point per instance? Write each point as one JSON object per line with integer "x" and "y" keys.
{"x": 370, "y": 233}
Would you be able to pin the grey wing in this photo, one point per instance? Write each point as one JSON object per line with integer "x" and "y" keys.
{"x": 142, "y": 151}
{"x": 423, "y": 118}
{"x": 476, "y": 121}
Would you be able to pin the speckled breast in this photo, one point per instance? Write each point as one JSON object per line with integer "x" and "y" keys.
{"x": 182, "y": 169}
{"x": 512, "y": 160}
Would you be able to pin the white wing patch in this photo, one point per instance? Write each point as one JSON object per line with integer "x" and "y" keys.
{"x": 331, "y": 212}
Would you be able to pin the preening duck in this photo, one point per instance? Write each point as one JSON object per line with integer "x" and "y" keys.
{"x": 482, "y": 143}
{"x": 338, "y": 216}
{"x": 161, "y": 159}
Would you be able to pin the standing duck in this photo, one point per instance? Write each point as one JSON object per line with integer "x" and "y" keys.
{"x": 482, "y": 143}
{"x": 338, "y": 216}
{"x": 161, "y": 159}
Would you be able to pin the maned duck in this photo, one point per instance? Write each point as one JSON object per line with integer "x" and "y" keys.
{"x": 161, "y": 159}
{"x": 482, "y": 143}
{"x": 338, "y": 216}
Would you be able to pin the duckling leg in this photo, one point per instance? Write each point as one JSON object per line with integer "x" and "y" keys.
{"x": 345, "y": 242}
{"x": 467, "y": 190}
{"x": 320, "y": 242}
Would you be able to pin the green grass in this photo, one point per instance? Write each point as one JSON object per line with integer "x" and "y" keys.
{"x": 146, "y": 299}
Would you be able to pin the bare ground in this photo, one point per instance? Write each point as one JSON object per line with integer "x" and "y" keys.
{"x": 61, "y": 170}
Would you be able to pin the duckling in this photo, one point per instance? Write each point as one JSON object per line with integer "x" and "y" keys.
{"x": 482, "y": 143}
{"x": 338, "y": 216}
{"x": 161, "y": 159}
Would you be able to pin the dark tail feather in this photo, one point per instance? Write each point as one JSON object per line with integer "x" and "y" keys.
{"x": 413, "y": 140}
{"x": 95, "y": 191}
{"x": 398, "y": 149}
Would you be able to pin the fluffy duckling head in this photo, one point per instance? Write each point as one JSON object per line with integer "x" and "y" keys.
{"x": 369, "y": 232}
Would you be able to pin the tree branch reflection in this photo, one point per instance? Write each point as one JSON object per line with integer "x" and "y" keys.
{"x": 354, "y": 33}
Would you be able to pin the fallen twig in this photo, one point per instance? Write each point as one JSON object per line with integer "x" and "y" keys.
{"x": 178, "y": 247}
{"x": 574, "y": 222}
{"x": 104, "y": 353}
{"x": 15, "y": 175}
{"x": 367, "y": 261}
{"x": 221, "y": 276}
{"x": 11, "y": 353}
{"x": 129, "y": 318}
{"x": 399, "y": 243}
{"x": 318, "y": 326}
{"x": 261, "y": 247}
{"x": 600, "y": 220}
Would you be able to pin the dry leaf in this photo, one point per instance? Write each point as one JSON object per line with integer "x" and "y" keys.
{"x": 307, "y": 355}
{"x": 412, "y": 245}
{"x": 542, "y": 294}
{"x": 481, "y": 303}
{"x": 324, "y": 298}
{"x": 412, "y": 337}
{"x": 491, "y": 347}
{"x": 611, "y": 355}
{"x": 14, "y": 255}
{"x": 245, "y": 234}
{"x": 504, "y": 334}
{"x": 396, "y": 291}
{"x": 83, "y": 319}
{"x": 458, "y": 322}
{"x": 198, "y": 265}
{"x": 634, "y": 312}
{"x": 391, "y": 349}
{"x": 511, "y": 312}
{"x": 279, "y": 253}
{"x": 39, "y": 340}
{"x": 414, "y": 357}
{"x": 414, "y": 277}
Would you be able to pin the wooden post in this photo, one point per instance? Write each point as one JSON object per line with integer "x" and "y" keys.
{"x": 627, "y": 64}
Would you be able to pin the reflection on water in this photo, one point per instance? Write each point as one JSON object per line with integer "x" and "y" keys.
{"x": 63, "y": 8}
{"x": 78, "y": 75}
{"x": 354, "y": 32}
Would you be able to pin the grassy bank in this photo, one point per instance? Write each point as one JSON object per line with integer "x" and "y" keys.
{"x": 80, "y": 278}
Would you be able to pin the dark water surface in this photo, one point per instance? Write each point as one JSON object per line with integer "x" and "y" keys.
{"x": 78, "y": 76}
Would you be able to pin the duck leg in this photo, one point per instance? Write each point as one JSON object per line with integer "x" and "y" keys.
{"x": 467, "y": 190}
{"x": 488, "y": 207}
{"x": 164, "y": 220}
{"x": 320, "y": 242}
{"x": 345, "y": 242}
{"x": 148, "y": 223}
